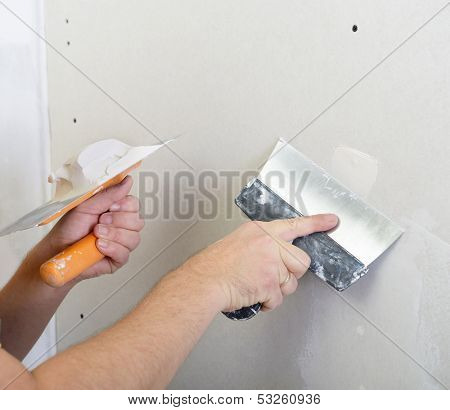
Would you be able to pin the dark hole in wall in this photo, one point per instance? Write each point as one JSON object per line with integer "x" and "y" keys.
{"x": 82, "y": 316}
{"x": 355, "y": 28}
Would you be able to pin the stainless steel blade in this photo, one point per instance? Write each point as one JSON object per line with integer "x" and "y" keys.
{"x": 35, "y": 217}
{"x": 363, "y": 231}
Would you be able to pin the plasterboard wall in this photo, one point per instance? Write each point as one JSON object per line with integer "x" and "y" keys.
{"x": 24, "y": 139}
{"x": 230, "y": 78}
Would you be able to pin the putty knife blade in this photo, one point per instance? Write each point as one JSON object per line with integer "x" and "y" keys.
{"x": 292, "y": 185}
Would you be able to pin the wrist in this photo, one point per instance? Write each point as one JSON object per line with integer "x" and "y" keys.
{"x": 44, "y": 250}
{"x": 206, "y": 287}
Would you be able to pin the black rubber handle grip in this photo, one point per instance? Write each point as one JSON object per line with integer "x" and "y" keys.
{"x": 329, "y": 261}
{"x": 245, "y": 313}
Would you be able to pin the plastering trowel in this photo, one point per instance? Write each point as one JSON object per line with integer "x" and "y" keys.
{"x": 99, "y": 166}
{"x": 291, "y": 185}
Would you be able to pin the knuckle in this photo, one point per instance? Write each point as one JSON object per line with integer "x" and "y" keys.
{"x": 271, "y": 267}
{"x": 135, "y": 201}
{"x": 112, "y": 218}
{"x": 312, "y": 221}
{"x": 124, "y": 258}
{"x": 135, "y": 242}
{"x": 138, "y": 240}
{"x": 114, "y": 235}
{"x": 141, "y": 223}
{"x": 263, "y": 242}
{"x": 267, "y": 283}
{"x": 270, "y": 280}
{"x": 132, "y": 202}
{"x": 293, "y": 286}
{"x": 276, "y": 301}
{"x": 306, "y": 259}
{"x": 301, "y": 258}
{"x": 294, "y": 223}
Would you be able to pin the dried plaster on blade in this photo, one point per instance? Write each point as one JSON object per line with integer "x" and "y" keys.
{"x": 85, "y": 174}
{"x": 355, "y": 169}
{"x": 95, "y": 165}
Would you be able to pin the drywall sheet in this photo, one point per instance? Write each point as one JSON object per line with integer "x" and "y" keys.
{"x": 230, "y": 78}
{"x": 24, "y": 139}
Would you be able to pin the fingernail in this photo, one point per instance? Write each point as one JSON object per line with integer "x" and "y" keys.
{"x": 332, "y": 219}
{"x": 106, "y": 219}
{"x": 114, "y": 207}
{"x": 124, "y": 181}
{"x": 102, "y": 230}
{"x": 102, "y": 244}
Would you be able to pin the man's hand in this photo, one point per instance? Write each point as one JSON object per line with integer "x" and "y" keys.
{"x": 113, "y": 216}
{"x": 256, "y": 263}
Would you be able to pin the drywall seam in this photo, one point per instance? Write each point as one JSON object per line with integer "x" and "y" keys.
{"x": 391, "y": 340}
{"x": 438, "y": 243}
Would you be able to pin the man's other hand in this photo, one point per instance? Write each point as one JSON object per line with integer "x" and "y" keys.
{"x": 113, "y": 216}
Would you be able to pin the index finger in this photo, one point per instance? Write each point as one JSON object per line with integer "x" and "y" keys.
{"x": 290, "y": 229}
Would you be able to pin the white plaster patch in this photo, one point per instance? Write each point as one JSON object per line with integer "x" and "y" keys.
{"x": 94, "y": 165}
{"x": 355, "y": 169}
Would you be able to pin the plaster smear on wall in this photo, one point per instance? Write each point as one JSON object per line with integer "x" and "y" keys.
{"x": 365, "y": 360}
{"x": 355, "y": 169}
{"x": 422, "y": 269}
{"x": 406, "y": 296}
{"x": 433, "y": 260}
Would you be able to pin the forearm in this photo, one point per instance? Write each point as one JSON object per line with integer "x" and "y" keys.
{"x": 144, "y": 349}
{"x": 27, "y": 304}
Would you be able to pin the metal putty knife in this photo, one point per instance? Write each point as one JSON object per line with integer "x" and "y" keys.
{"x": 291, "y": 185}
{"x": 78, "y": 257}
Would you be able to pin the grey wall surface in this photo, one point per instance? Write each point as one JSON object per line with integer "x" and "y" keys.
{"x": 230, "y": 78}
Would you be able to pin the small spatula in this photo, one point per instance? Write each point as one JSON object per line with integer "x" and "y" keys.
{"x": 113, "y": 161}
{"x": 291, "y": 185}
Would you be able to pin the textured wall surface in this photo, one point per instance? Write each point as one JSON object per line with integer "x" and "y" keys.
{"x": 24, "y": 137}
{"x": 230, "y": 78}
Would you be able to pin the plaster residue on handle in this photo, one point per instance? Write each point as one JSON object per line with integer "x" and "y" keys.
{"x": 355, "y": 169}
{"x": 61, "y": 262}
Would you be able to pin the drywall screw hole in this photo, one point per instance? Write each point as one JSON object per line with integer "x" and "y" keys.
{"x": 74, "y": 120}
{"x": 68, "y": 43}
{"x": 82, "y": 316}
{"x": 67, "y": 21}
{"x": 355, "y": 28}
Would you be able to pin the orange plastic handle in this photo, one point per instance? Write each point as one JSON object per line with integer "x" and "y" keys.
{"x": 80, "y": 256}
{"x": 71, "y": 262}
